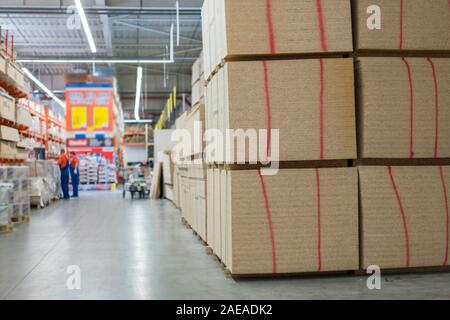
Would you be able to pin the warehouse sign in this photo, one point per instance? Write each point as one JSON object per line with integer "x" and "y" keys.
{"x": 89, "y": 107}
{"x": 91, "y": 143}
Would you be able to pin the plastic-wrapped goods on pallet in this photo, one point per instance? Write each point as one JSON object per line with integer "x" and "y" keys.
{"x": 111, "y": 173}
{"x": 49, "y": 171}
{"x": 5, "y": 205}
{"x": 40, "y": 191}
{"x": 88, "y": 170}
{"x": 19, "y": 198}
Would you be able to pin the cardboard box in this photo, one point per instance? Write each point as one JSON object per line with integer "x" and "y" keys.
{"x": 23, "y": 117}
{"x": 2, "y": 63}
{"x": 14, "y": 72}
{"x": 9, "y": 134}
{"x": 298, "y": 237}
{"x": 236, "y": 28}
{"x": 7, "y": 150}
{"x": 7, "y": 107}
{"x": 403, "y": 213}
{"x": 387, "y": 127}
{"x": 426, "y": 25}
{"x": 300, "y": 104}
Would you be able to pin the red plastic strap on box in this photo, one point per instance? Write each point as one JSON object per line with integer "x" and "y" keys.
{"x": 322, "y": 109}
{"x": 319, "y": 227}
{"x": 447, "y": 218}
{"x": 436, "y": 103}
{"x": 401, "y": 24}
{"x": 320, "y": 19}
{"x": 411, "y": 107}
{"x": 270, "y": 28}
{"x": 402, "y": 213}
{"x": 268, "y": 112}
{"x": 269, "y": 220}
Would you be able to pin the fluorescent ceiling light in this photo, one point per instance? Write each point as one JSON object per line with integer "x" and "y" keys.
{"x": 43, "y": 87}
{"x": 98, "y": 61}
{"x": 137, "y": 121}
{"x": 85, "y": 24}
{"x": 138, "y": 93}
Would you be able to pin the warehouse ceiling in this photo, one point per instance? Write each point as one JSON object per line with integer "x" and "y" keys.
{"x": 122, "y": 29}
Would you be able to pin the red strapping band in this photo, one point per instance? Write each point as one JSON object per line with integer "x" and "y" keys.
{"x": 269, "y": 220}
{"x": 411, "y": 107}
{"x": 402, "y": 212}
{"x": 322, "y": 109}
{"x": 268, "y": 114}
{"x": 319, "y": 227}
{"x": 323, "y": 38}
{"x": 401, "y": 24}
{"x": 270, "y": 27}
{"x": 436, "y": 103}
{"x": 444, "y": 191}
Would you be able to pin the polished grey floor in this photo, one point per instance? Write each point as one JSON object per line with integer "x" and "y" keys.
{"x": 140, "y": 250}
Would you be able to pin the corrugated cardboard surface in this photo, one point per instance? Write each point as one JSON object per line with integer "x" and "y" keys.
{"x": 426, "y": 25}
{"x": 420, "y": 189}
{"x": 236, "y": 28}
{"x": 7, "y": 107}
{"x": 384, "y": 107}
{"x": 7, "y": 150}
{"x": 239, "y": 100}
{"x": 9, "y": 134}
{"x": 292, "y": 196}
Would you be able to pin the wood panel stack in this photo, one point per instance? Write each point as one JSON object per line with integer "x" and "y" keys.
{"x": 403, "y": 81}
{"x": 262, "y": 75}
{"x": 189, "y": 176}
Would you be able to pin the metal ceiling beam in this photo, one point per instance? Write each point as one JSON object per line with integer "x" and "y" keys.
{"x": 162, "y": 11}
{"x": 153, "y": 30}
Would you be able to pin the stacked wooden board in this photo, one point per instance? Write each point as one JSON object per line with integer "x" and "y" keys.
{"x": 321, "y": 212}
{"x": 403, "y": 81}
{"x": 305, "y": 218}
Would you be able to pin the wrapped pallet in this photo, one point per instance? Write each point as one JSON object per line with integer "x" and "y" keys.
{"x": 310, "y": 102}
{"x": 18, "y": 178}
{"x": 5, "y": 204}
{"x": 412, "y": 25}
{"x": 235, "y": 28}
{"x": 404, "y": 107}
{"x": 300, "y": 220}
{"x": 404, "y": 216}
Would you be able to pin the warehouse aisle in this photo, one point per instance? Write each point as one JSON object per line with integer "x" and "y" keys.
{"x": 140, "y": 250}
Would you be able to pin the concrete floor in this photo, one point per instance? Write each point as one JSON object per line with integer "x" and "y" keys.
{"x": 140, "y": 250}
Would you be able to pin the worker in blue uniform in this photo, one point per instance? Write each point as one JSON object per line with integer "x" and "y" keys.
{"x": 64, "y": 165}
{"x": 74, "y": 173}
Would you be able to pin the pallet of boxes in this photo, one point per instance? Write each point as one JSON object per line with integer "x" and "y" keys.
{"x": 281, "y": 77}
{"x": 403, "y": 85}
{"x": 14, "y": 196}
{"x": 189, "y": 174}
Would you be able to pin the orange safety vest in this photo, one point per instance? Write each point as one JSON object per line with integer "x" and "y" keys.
{"x": 62, "y": 161}
{"x": 74, "y": 163}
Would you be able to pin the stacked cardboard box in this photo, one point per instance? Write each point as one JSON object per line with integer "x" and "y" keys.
{"x": 403, "y": 132}
{"x": 19, "y": 198}
{"x": 299, "y": 99}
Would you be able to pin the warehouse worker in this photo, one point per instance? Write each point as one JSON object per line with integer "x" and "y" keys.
{"x": 74, "y": 173}
{"x": 63, "y": 163}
